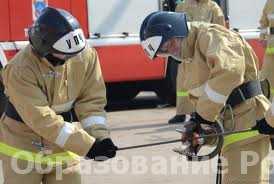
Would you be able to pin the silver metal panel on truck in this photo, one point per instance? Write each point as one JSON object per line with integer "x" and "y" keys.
{"x": 245, "y": 14}
{"x": 112, "y": 18}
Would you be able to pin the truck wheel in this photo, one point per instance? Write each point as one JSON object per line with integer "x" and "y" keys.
{"x": 166, "y": 89}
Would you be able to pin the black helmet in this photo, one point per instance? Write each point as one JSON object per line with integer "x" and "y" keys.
{"x": 159, "y": 27}
{"x": 56, "y": 31}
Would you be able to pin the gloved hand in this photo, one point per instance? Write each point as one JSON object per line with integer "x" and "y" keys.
{"x": 194, "y": 127}
{"x": 264, "y": 128}
{"x": 102, "y": 150}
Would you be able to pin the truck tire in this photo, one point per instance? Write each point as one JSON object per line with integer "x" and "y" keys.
{"x": 166, "y": 89}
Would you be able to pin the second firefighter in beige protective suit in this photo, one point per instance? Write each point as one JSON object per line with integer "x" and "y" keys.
{"x": 53, "y": 77}
{"x": 196, "y": 10}
{"x": 267, "y": 36}
{"x": 223, "y": 70}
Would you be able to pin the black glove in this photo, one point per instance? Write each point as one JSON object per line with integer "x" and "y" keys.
{"x": 199, "y": 119}
{"x": 194, "y": 126}
{"x": 102, "y": 150}
{"x": 264, "y": 128}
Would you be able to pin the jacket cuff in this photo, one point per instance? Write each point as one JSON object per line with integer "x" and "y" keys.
{"x": 79, "y": 143}
{"x": 98, "y": 131}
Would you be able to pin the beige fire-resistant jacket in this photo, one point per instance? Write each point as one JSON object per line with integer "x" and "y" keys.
{"x": 204, "y": 10}
{"x": 40, "y": 91}
{"x": 267, "y": 21}
{"x": 220, "y": 60}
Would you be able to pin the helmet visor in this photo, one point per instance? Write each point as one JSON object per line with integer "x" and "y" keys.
{"x": 71, "y": 43}
{"x": 152, "y": 45}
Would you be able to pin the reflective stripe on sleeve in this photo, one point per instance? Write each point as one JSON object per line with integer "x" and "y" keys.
{"x": 63, "y": 107}
{"x": 214, "y": 96}
{"x": 264, "y": 31}
{"x": 93, "y": 120}
{"x": 270, "y": 16}
{"x": 64, "y": 134}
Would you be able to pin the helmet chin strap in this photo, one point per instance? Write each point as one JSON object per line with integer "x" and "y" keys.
{"x": 54, "y": 60}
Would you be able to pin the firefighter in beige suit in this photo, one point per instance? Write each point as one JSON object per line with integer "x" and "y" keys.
{"x": 51, "y": 83}
{"x": 267, "y": 35}
{"x": 196, "y": 10}
{"x": 223, "y": 70}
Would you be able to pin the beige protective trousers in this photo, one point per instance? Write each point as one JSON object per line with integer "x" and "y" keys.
{"x": 183, "y": 103}
{"x": 245, "y": 155}
{"x": 247, "y": 164}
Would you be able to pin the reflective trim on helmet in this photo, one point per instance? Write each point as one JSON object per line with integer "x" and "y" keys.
{"x": 151, "y": 45}
{"x": 53, "y": 159}
{"x": 71, "y": 43}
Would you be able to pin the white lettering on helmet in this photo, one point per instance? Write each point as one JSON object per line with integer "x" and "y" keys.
{"x": 70, "y": 43}
{"x": 151, "y": 45}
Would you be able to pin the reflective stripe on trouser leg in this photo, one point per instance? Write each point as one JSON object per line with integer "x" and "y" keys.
{"x": 182, "y": 93}
{"x": 231, "y": 139}
{"x": 183, "y": 103}
{"x": 53, "y": 159}
{"x": 269, "y": 50}
{"x": 180, "y": 105}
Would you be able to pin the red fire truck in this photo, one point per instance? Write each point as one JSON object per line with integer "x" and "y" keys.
{"x": 112, "y": 27}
